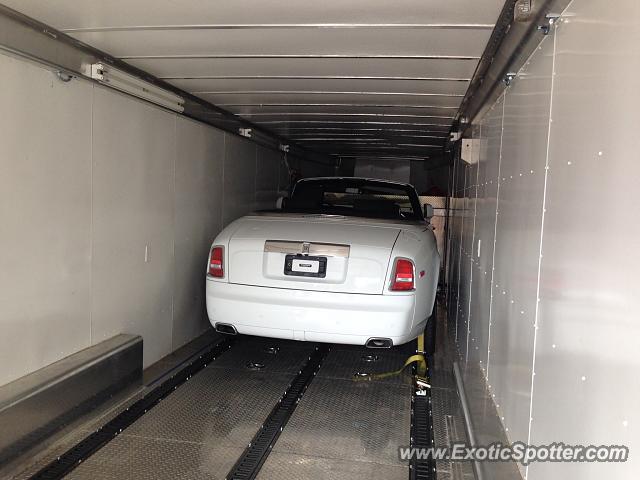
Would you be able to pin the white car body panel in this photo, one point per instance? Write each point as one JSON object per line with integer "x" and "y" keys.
{"x": 312, "y": 316}
{"x": 352, "y": 304}
{"x": 364, "y": 271}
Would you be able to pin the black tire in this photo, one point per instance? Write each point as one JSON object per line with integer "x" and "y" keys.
{"x": 430, "y": 334}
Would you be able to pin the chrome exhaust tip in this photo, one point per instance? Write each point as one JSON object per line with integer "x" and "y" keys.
{"x": 379, "y": 343}
{"x": 226, "y": 329}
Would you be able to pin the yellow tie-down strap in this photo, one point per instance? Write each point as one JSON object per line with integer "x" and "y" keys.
{"x": 418, "y": 359}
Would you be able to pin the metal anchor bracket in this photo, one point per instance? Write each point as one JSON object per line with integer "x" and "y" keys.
{"x": 63, "y": 76}
{"x": 551, "y": 18}
{"x": 422, "y": 384}
{"x": 508, "y": 78}
{"x": 370, "y": 358}
{"x": 254, "y": 365}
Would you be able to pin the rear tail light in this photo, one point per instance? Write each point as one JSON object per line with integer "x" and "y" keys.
{"x": 403, "y": 278}
{"x": 216, "y": 262}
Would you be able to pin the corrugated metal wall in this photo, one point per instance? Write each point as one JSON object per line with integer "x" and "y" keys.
{"x": 93, "y": 182}
{"x": 544, "y": 242}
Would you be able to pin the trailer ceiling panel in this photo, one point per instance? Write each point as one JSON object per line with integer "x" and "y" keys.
{"x": 65, "y": 14}
{"x": 171, "y": 68}
{"x": 354, "y": 67}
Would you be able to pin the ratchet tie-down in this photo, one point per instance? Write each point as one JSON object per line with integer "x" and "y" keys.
{"x": 419, "y": 359}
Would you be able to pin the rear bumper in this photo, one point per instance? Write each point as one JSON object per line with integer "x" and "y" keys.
{"x": 312, "y": 316}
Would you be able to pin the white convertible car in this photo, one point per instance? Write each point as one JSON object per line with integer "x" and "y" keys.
{"x": 345, "y": 260}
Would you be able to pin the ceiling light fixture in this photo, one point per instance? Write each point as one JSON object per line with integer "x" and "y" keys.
{"x": 114, "y": 78}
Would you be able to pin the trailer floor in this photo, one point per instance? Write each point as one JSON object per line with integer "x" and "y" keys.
{"x": 340, "y": 429}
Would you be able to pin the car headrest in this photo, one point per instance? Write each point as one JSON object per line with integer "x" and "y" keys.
{"x": 378, "y": 206}
{"x": 308, "y": 197}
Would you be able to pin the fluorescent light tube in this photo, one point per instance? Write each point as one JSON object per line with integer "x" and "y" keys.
{"x": 115, "y": 78}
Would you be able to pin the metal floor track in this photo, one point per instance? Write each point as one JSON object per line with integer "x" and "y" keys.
{"x": 346, "y": 429}
{"x": 448, "y": 419}
{"x": 335, "y": 427}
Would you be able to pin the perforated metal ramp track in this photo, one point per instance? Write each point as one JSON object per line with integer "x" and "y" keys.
{"x": 202, "y": 428}
{"x": 267, "y": 409}
{"x": 345, "y": 429}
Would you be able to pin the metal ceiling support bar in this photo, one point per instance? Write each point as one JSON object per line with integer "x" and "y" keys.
{"x": 356, "y": 122}
{"x": 305, "y": 136}
{"x": 359, "y": 105}
{"x": 376, "y": 148}
{"x": 334, "y": 139}
{"x": 314, "y": 77}
{"x": 509, "y": 46}
{"x": 341, "y": 114}
{"x": 357, "y": 129}
{"x": 23, "y": 36}
{"x": 382, "y": 157}
{"x": 287, "y": 26}
{"x": 299, "y": 55}
{"x": 321, "y": 92}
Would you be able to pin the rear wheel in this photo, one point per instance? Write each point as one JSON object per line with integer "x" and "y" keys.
{"x": 430, "y": 334}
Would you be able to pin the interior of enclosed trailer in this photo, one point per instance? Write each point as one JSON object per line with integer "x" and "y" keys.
{"x": 513, "y": 119}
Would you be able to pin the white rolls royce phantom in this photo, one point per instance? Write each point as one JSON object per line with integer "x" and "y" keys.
{"x": 345, "y": 260}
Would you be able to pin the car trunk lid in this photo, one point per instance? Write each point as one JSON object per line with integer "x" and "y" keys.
{"x": 312, "y": 252}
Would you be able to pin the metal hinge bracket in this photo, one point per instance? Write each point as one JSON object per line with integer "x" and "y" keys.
{"x": 508, "y": 78}
{"x": 551, "y": 18}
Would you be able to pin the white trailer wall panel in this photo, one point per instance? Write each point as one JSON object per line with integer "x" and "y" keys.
{"x": 198, "y": 195}
{"x": 488, "y": 140}
{"x": 466, "y": 266}
{"x": 239, "y": 181}
{"x": 133, "y": 153}
{"x": 108, "y": 206}
{"x": 268, "y": 164}
{"x": 560, "y": 328}
{"x": 522, "y": 175}
{"x": 457, "y": 224}
{"x": 587, "y": 387}
{"x": 45, "y": 218}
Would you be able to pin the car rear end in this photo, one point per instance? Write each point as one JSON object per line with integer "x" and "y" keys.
{"x": 267, "y": 277}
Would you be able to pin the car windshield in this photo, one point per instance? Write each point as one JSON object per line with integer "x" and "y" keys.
{"x": 355, "y": 197}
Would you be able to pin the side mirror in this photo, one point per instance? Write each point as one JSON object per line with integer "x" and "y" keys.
{"x": 428, "y": 211}
{"x": 281, "y": 203}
